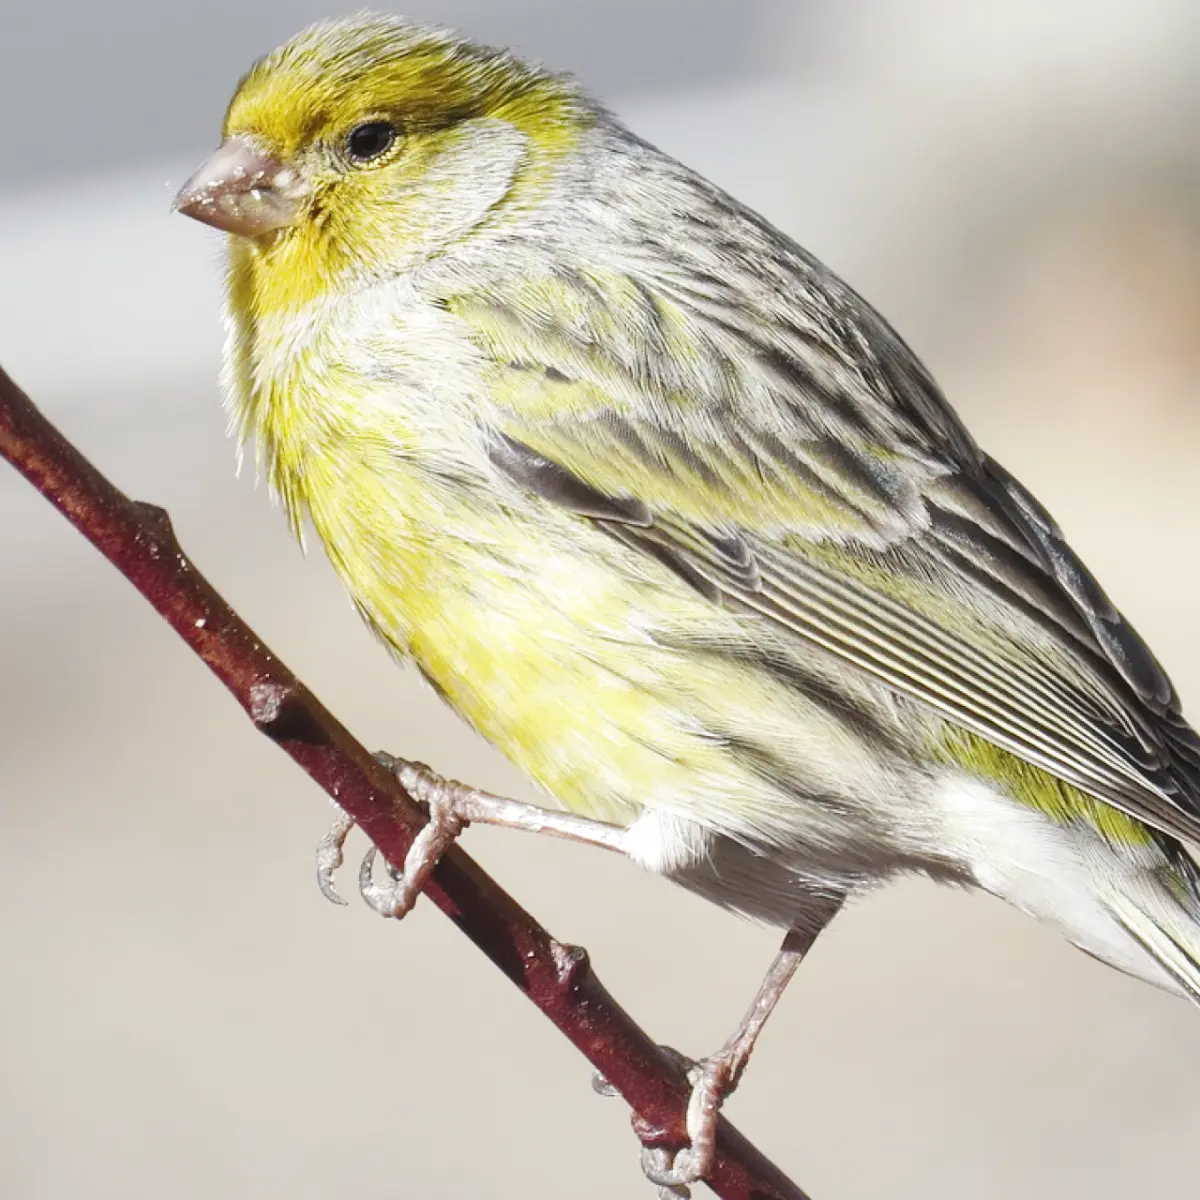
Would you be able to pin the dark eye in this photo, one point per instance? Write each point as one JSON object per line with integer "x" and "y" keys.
{"x": 369, "y": 141}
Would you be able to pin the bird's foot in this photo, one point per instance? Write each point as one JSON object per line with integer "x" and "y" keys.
{"x": 675, "y": 1169}
{"x": 445, "y": 801}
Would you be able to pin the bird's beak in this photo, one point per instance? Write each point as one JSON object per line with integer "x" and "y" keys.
{"x": 242, "y": 189}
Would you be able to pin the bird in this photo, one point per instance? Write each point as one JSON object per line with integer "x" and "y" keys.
{"x": 675, "y": 519}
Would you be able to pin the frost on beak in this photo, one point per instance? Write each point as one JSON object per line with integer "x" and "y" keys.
{"x": 242, "y": 189}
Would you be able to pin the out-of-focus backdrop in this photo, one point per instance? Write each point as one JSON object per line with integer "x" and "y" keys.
{"x": 1016, "y": 184}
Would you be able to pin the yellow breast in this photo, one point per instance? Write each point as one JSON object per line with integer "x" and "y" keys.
{"x": 540, "y": 630}
{"x": 489, "y": 605}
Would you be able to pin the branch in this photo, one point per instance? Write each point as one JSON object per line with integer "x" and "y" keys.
{"x": 138, "y": 540}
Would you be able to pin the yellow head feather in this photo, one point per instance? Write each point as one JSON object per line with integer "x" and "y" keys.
{"x": 472, "y": 127}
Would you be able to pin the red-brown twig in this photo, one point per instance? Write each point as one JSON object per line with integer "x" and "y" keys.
{"x": 137, "y": 539}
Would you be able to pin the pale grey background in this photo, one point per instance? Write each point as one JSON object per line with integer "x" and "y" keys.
{"x": 180, "y": 1013}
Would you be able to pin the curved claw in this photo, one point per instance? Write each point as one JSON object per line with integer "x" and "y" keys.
{"x": 380, "y": 897}
{"x": 675, "y": 1169}
{"x": 668, "y": 1170}
{"x": 393, "y": 899}
{"x": 329, "y": 856}
{"x": 601, "y": 1086}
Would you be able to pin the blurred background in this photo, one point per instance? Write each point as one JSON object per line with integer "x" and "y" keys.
{"x": 1016, "y": 184}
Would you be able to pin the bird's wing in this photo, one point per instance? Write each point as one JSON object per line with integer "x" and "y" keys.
{"x": 809, "y": 469}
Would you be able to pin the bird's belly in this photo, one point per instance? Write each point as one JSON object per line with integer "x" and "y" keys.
{"x": 558, "y": 670}
{"x": 620, "y": 692}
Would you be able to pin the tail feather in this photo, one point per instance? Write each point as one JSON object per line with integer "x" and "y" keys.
{"x": 1166, "y": 927}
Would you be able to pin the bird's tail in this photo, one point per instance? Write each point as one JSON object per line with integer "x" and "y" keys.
{"x": 1162, "y": 914}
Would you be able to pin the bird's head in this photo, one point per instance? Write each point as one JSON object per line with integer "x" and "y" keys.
{"x": 364, "y": 146}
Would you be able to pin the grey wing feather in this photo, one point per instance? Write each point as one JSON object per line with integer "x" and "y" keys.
{"x": 1100, "y": 727}
{"x": 950, "y": 582}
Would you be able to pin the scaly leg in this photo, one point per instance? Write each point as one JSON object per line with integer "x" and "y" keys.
{"x": 452, "y": 806}
{"x": 716, "y": 1077}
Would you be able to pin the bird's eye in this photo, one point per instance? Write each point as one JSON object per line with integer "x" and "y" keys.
{"x": 369, "y": 141}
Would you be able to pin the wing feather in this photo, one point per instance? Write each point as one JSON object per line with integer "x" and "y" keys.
{"x": 811, "y": 472}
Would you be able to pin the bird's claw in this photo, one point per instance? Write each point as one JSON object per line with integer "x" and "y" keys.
{"x": 387, "y": 899}
{"x": 601, "y": 1086}
{"x": 331, "y": 854}
{"x": 395, "y": 899}
{"x": 674, "y": 1169}
{"x": 660, "y": 1165}
{"x": 443, "y": 799}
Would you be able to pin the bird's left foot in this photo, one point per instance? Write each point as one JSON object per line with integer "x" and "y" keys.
{"x": 675, "y": 1169}
{"x": 445, "y": 802}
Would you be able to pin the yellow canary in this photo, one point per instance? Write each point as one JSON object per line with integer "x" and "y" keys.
{"x": 673, "y": 517}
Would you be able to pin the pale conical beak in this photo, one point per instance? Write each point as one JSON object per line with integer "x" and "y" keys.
{"x": 243, "y": 190}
